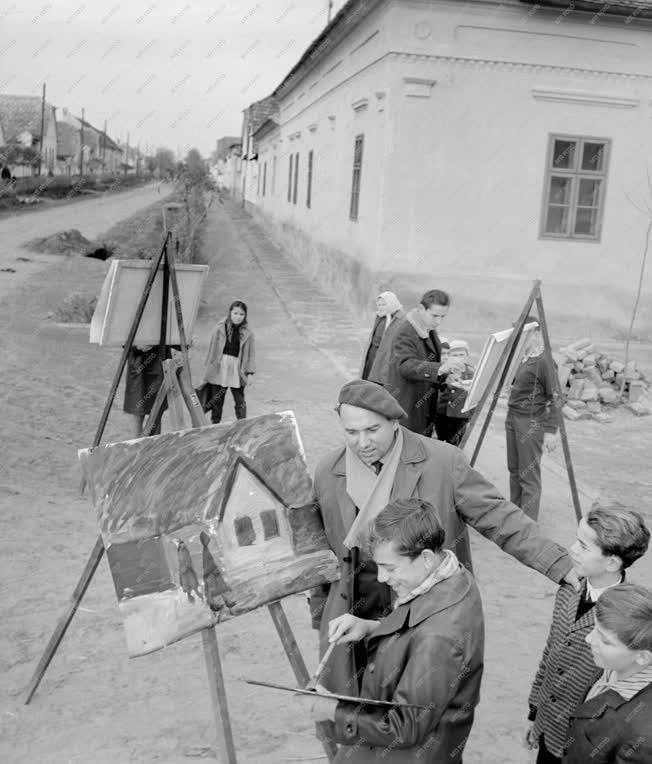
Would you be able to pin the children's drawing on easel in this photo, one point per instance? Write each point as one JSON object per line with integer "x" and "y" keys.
{"x": 204, "y": 521}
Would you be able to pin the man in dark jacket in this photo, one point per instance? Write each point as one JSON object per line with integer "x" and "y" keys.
{"x": 415, "y": 367}
{"x": 383, "y": 461}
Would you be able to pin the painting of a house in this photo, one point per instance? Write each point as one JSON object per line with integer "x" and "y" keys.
{"x": 205, "y": 520}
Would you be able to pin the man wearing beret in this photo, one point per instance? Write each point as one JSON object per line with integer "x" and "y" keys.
{"x": 381, "y": 462}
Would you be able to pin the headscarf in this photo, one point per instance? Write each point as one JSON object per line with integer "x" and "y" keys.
{"x": 392, "y": 304}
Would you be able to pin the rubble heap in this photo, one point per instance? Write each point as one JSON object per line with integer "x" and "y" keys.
{"x": 594, "y": 383}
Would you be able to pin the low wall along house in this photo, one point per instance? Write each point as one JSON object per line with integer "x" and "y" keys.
{"x": 471, "y": 147}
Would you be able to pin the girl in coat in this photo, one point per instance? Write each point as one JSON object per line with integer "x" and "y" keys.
{"x": 230, "y": 362}
{"x": 614, "y": 723}
{"x": 427, "y": 651}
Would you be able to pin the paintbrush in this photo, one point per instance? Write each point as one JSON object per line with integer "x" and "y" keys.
{"x": 312, "y": 684}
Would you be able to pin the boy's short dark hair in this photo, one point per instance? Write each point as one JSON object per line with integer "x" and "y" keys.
{"x": 411, "y": 524}
{"x": 435, "y": 297}
{"x": 620, "y": 531}
{"x": 626, "y": 610}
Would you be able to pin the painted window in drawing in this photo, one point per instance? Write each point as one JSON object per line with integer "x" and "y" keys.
{"x": 574, "y": 191}
{"x": 244, "y": 531}
{"x": 269, "y": 519}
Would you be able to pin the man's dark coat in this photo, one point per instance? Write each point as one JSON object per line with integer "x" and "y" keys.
{"x": 412, "y": 375}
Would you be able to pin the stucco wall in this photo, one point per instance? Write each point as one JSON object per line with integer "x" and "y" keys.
{"x": 456, "y": 103}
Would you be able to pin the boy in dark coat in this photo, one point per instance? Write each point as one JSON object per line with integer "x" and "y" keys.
{"x": 427, "y": 651}
{"x": 609, "y": 539}
{"x": 614, "y": 724}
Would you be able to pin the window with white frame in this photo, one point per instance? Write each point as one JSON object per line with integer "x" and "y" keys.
{"x": 357, "y": 171}
{"x": 574, "y": 192}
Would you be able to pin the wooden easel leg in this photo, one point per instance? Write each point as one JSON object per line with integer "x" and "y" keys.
{"x": 66, "y": 618}
{"x": 300, "y": 671}
{"x": 502, "y": 368}
{"x": 557, "y": 403}
{"x": 98, "y": 550}
{"x": 225, "y": 746}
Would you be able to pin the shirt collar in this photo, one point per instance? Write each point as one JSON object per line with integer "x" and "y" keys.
{"x": 593, "y": 593}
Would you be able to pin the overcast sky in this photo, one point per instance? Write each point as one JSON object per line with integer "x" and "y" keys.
{"x": 174, "y": 73}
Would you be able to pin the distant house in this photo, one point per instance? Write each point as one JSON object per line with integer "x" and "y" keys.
{"x": 252, "y": 118}
{"x": 68, "y": 146}
{"x": 23, "y": 121}
{"x": 101, "y": 153}
{"x": 229, "y": 167}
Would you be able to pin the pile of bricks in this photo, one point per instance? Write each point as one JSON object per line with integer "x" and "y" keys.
{"x": 594, "y": 382}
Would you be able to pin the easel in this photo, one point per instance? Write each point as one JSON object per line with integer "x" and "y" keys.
{"x": 177, "y": 388}
{"x": 500, "y": 375}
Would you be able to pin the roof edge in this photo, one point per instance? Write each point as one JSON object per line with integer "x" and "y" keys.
{"x": 340, "y": 26}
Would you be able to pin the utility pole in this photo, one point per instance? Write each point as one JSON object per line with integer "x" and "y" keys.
{"x": 81, "y": 145}
{"x": 138, "y": 160}
{"x": 40, "y": 148}
{"x": 127, "y": 157}
{"x": 104, "y": 148}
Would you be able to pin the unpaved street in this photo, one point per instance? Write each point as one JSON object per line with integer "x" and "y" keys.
{"x": 90, "y": 216}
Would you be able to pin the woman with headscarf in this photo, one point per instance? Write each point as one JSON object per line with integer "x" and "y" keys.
{"x": 389, "y": 312}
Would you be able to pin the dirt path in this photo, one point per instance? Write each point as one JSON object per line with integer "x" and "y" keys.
{"x": 91, "y": 216}
{"x": 95, "y": 704}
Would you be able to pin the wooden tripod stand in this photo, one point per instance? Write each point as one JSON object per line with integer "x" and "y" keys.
{"x": 499, "y": 377}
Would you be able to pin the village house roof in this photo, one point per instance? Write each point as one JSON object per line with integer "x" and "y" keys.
{"x": 259, "y": 111}
{"x": 22, "y": 114}
{"x": 628, "y": 8}
{"x": 355, "y": 10}
{"x": 265, "y": 128}
{"x": 331, "y": 34}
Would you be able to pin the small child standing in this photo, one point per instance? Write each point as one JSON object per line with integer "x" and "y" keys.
{"x": 450, "y": 422}
{"x": 609, "y": 539}
{"x": 230, "y": 362}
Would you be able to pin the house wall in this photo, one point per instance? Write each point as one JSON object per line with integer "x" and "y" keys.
{"x": 456, "y": 104}
{"x": 471, "y": 185}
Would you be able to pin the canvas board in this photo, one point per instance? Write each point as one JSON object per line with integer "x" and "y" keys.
{"x": 489, "y": 359}
{"x": 204, "y": 521}
{"x": 120, "y": 295}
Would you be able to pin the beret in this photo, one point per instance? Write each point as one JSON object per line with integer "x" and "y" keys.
{"x": 370, "y": 396}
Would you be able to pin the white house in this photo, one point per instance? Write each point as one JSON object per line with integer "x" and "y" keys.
{"x": 470, "y": 146}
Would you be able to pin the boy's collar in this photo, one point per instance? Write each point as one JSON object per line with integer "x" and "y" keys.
{"x": 593, "y": 592}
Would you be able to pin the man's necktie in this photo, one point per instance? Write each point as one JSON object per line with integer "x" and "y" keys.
{"x": 377, "y": 467}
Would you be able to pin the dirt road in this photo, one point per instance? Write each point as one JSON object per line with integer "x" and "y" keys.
{"x": 90, "y": 216}
{"x": 97, "y": 705}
